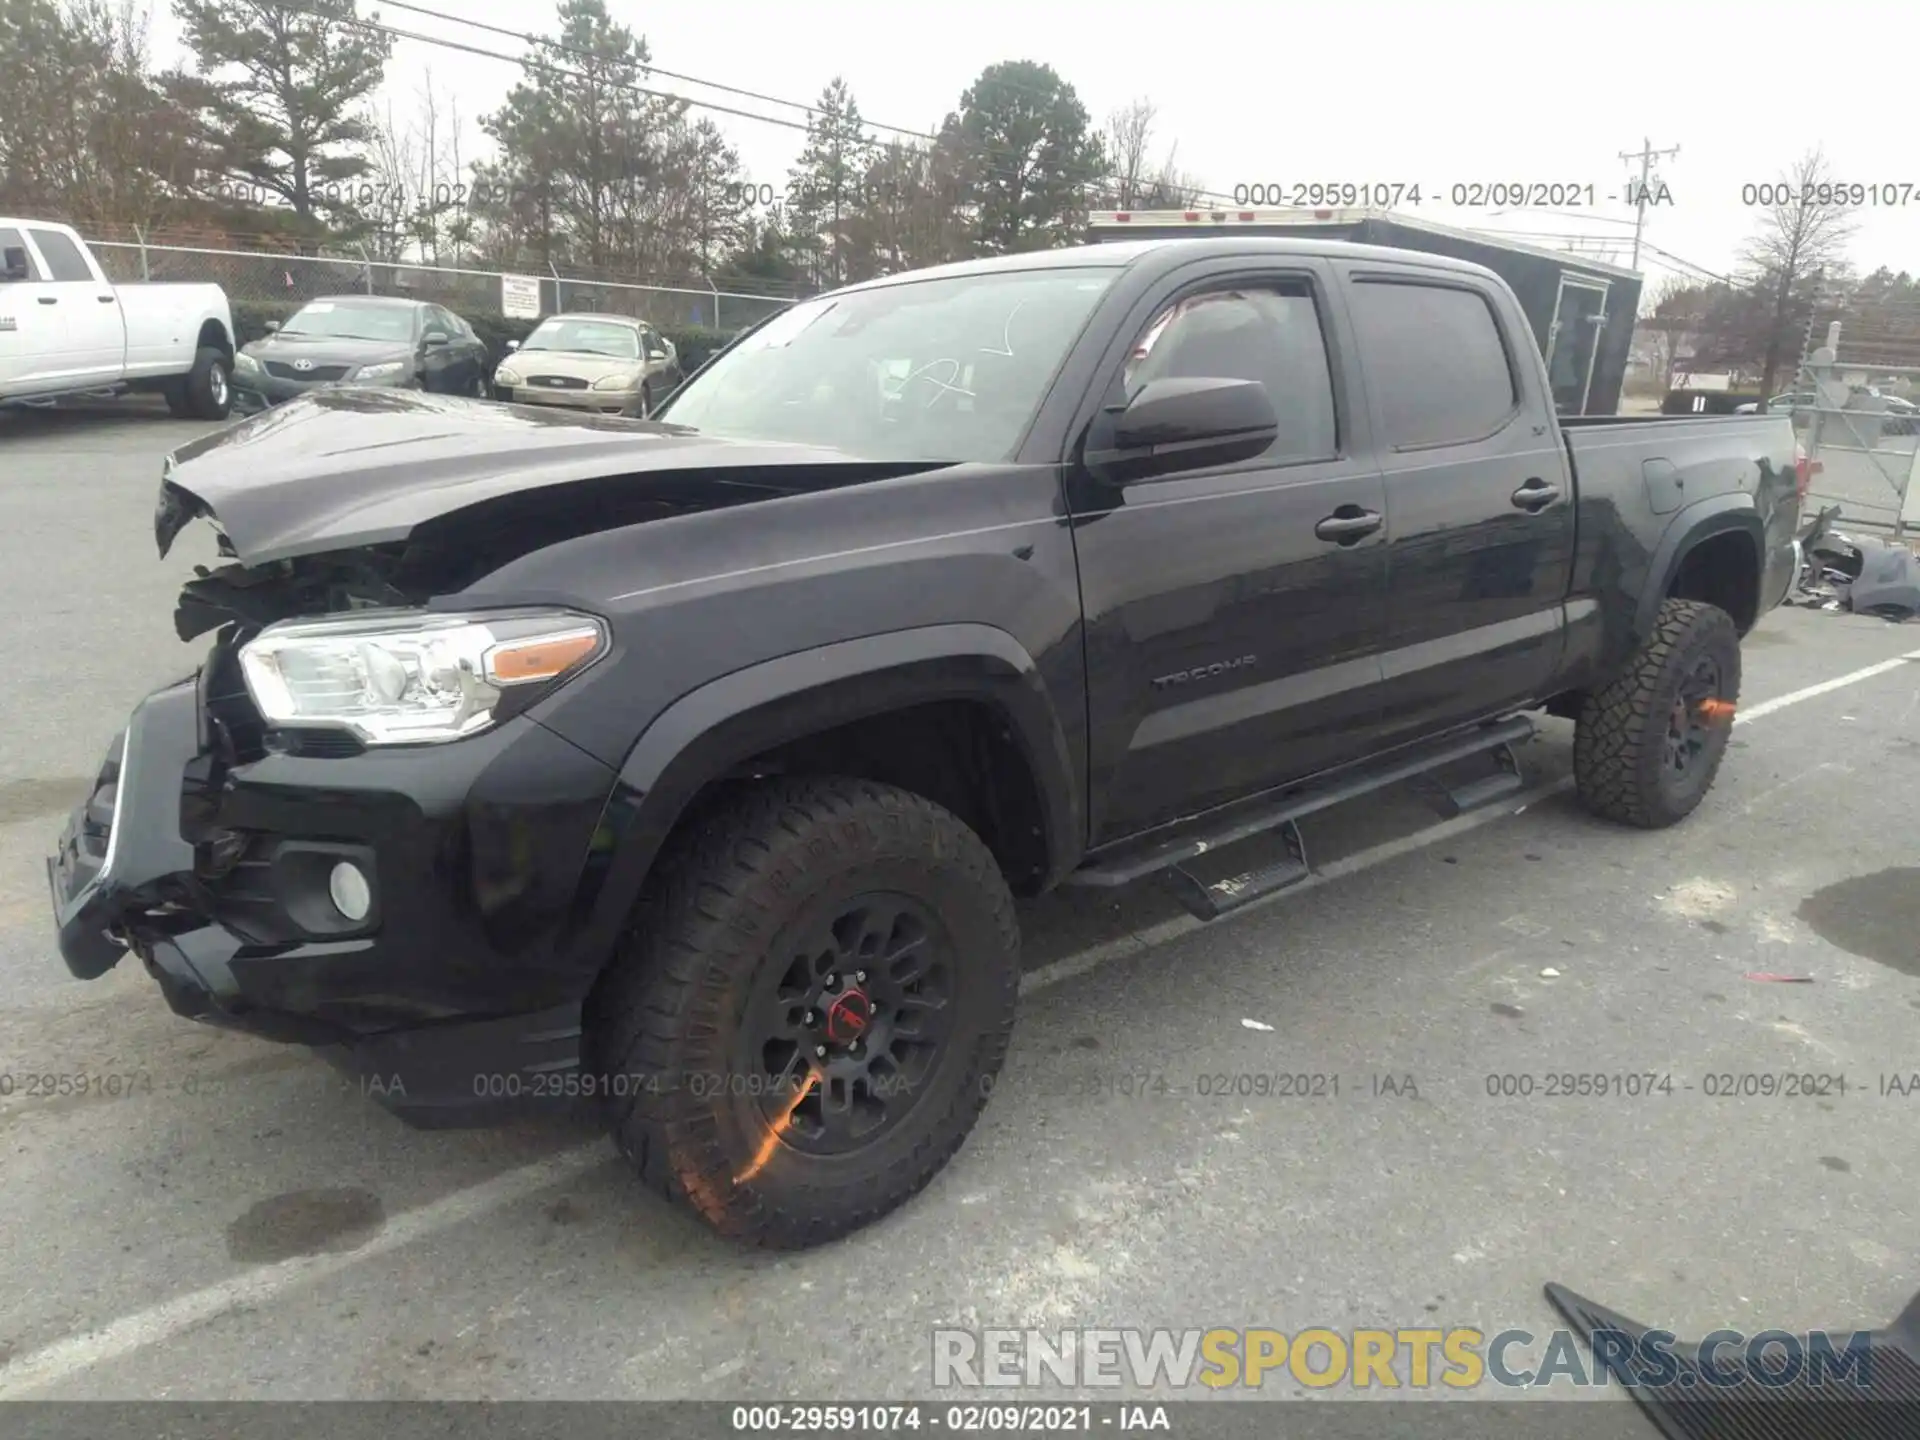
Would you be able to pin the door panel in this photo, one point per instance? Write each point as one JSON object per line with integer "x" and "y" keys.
{"x": 95, "y": 336}
{"x": 1229, "y": 647}
{"x": 32, "y": 337}
{"x": 1478, "y": 500}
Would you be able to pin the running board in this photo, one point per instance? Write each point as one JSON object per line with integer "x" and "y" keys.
{"x": 1260, "y": 815}
{"x": 1210, "y": 902}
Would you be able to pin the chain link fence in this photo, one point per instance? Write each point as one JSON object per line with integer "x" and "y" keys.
{"x": 264, "y": 277}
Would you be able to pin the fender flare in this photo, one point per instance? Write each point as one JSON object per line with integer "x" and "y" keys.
{"x": 1699, "y": 522}
{"x": 714, "y": 728}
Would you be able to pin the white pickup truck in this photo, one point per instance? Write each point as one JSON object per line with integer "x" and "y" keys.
{"x": 65, "y": 330}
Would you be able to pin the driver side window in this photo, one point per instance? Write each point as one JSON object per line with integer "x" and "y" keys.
{"x": 1270, "y": 333}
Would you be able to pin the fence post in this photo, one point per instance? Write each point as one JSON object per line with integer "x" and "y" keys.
{"x": 366, "y": 266}
{"x": 716, "y": 300}
{"x": 559, "y": 290}
{"x": 141, "y": 235}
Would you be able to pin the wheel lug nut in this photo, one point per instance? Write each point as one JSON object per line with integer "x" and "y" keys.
{"x": 820, "y": 1052}
{"x": 832, "y": 982}
{"x": 811, "y": 1019}
{"x": 859, "y": 976}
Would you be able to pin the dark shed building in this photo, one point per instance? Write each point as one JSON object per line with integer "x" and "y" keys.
{"x": 1582, "y": 311}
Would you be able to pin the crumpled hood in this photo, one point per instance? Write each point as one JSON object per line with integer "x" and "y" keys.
{"x": 340, "y": 469}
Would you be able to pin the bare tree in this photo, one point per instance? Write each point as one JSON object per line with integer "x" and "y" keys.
{"x": 1172, "y": 187}
{"x": 1129, "y": 150}
{"x": 390, "y": 169}
{"x": 1802, "y": 236}
{"x": 1671, "y": 316}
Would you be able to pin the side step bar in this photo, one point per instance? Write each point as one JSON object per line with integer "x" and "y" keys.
{"x": 1167, "y": 855}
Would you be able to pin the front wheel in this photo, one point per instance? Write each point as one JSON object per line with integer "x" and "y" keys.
{"x": 811, "y": 1010}
{"x": 1648, "y": 744}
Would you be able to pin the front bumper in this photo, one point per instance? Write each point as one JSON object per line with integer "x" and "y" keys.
{"x": 454, "y": 994}
{"x": 604, "y": 402}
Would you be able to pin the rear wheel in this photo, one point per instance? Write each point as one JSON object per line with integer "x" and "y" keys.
{"x": 204, "y": 392}
{"x": 810, "y": 1011}
{"x": 1649, "y": 744}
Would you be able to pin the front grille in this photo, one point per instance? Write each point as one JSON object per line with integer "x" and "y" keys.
{"x": 557, "y": 382}
{"x": 280, "y": 370}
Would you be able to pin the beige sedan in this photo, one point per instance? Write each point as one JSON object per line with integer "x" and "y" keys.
{"x": 610, "y": 364}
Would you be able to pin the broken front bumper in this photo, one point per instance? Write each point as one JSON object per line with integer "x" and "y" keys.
{"x": 453, "y": 993}
{"x": 126, "y": 852}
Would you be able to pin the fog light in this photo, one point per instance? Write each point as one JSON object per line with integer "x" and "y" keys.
{"x": 352, "y": 896}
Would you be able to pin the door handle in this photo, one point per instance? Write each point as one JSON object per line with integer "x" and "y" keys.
{"x": 1348, "y": 524}
{"x": 104, "y": 299}
{"x": 48, "y": 299}
{"x": 1536, "y": 494}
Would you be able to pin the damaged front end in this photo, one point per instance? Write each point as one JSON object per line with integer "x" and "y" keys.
{"x": 123, "y": 852}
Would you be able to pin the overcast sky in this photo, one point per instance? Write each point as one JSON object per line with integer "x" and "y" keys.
{"x": 1365, "y": 91}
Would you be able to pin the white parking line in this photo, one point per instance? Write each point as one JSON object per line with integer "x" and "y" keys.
{"x": 68, "y": 1357}
{"x": 64, "y": 1358}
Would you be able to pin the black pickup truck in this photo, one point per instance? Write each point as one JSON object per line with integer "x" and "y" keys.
{"x": 692, "y": 765}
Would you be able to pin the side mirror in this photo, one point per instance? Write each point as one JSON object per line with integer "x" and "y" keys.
{"x": 1185, "y": 423}
{"x": 14, "y": 265}
{"x": 436, "y": 337}
{"x": 272, "y": 325}
{"x": 513, "y": 345}
{"x": 656, "y": 354}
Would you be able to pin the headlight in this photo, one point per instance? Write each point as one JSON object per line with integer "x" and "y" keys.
{"x": 244, "y": 361}
{"x": 407, "y": 677}
{"x": 385, "y": 370}
{"x": 506, "y": 375}
{"x": 618, "y": 382}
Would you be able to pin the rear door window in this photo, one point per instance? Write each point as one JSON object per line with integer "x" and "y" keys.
{"x": 63, "y": 257}
{"x": 1436, "y": 361}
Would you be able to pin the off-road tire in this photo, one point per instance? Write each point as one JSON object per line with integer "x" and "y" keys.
{"x": 725, "y": 909}
{"x": 1620, "y": 764}
{"x": 206, "y": 391}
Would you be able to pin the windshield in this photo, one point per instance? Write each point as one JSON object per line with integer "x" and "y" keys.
{"x": 949, "y": 369}
{"x": 588, "y": 337}
{"x": 346, "y": 320}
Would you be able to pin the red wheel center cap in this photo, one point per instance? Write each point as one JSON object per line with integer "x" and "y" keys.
{"x": 849, "y": 1016}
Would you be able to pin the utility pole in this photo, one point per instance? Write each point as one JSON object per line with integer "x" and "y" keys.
{"x": 1646, "y": 155}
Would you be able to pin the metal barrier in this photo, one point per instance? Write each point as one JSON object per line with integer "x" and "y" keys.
{"x": 264, "y": 276}
{"x": 1862, "y": 422}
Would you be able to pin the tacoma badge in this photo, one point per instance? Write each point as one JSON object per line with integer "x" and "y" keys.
{"x": 1203, "y": 672}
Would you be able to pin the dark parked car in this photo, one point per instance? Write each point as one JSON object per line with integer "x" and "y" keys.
{"x": 361, "y": 340}
{"x": 692, "y": 765}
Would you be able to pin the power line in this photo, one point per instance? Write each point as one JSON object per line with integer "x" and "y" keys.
{"x": 534, "y": 62}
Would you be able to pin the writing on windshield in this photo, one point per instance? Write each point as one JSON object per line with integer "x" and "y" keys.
{"x": 619, "y": 342}
{"x": 333, "y": 319}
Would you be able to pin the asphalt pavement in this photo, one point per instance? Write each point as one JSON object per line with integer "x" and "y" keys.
{"x": 243, "y": 1226}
